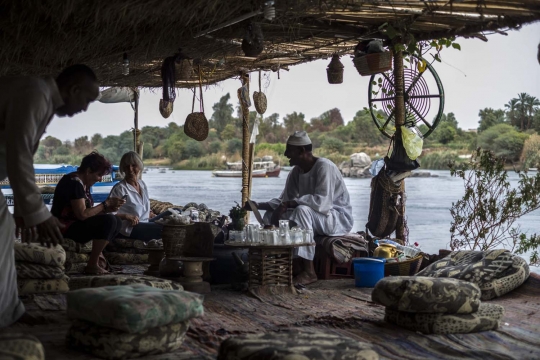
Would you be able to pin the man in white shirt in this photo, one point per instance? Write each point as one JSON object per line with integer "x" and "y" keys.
{"x": 315, "y": 197}
{"x": 27, "y": 105}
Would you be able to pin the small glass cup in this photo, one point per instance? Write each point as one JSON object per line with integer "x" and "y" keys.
{"x": 308, "y": 236}
{"x": 283, "y": 227}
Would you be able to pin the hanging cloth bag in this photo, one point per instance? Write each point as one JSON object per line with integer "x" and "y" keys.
{"x": 196, "y": 125}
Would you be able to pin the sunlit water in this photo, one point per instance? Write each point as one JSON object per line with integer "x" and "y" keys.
{"x": 428, "y": 199}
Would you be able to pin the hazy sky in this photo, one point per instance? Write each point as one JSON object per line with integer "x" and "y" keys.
{"x": 482, "y": 74}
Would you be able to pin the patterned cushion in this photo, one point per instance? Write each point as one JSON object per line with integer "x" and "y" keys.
{"x": 37, "y": 254}
{"x": 70, "y": 245}
{"x": 18, "y": 346}
{"x": 112, "y": 280}
{"x": 26, "y": 270}
{"x": 126, "y": 259}
{"x": 427, "y": 295}
{"x": 40, "y": 286}
{"x": 75, "y": 268}
{"x": 293, "y": 345}
{"x": 75, "y": 258}
{"x": 133, "y": 308}
{"x": 128, "y": 243}
{"x": 496, "y": 272}
{"x": 118, "y": 345}
{"x": 487, "y": 318}
{"x": 125, "y": 250}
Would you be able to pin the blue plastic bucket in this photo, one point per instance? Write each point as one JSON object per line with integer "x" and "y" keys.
{"x": 368, "y": 271}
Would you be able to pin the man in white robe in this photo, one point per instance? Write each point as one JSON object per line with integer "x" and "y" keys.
{"x": 315, "y": 197}
{"x": 27, "y": 105}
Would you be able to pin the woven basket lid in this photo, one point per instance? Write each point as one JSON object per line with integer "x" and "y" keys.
{"x": 165, "y": 108}
{"x": 260, "y": 102}
{"x": 196, "y": 126}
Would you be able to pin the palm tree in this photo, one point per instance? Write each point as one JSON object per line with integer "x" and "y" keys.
{"x": 532, "y": 106}
{"x": 511, "y": 113}
{"x": 522, "y": 108}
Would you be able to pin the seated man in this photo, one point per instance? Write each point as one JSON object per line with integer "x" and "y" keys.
{"x": 315, "y": 197}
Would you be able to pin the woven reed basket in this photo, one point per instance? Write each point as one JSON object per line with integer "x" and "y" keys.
{"x": 404, "y": 268}
{"x": 196, "y": 126}
{"x": 165, "y": 108}
{"x": 260, "y": 102}
{"x": 174, "y": 238}
{"x": 373, "y": 63}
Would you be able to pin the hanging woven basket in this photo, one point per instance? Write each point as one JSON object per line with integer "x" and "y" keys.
{"x": 196, "y": 126}
{"x": 260, "y": 102}
{"x": 334, "y": 71}
{"x": 165, "y": 108}
{"x": 185, "y": 69}
{"x": 371, "y": 64}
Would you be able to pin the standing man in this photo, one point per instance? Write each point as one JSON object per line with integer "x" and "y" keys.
{"x": 27, "y": 105}
{"x": 315, "y": 197}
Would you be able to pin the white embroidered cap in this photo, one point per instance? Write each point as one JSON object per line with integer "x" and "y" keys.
{"x": 299, "y": 138}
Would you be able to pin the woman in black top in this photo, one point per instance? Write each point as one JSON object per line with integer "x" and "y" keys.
{"x": 74, "y": 207}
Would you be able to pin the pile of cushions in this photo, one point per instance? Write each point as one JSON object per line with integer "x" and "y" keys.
{"x": 290, "y": 345}
{"x": 77, "y": 256}
{"x": 18, "y": 346}
{"x": 496, "y": 272}
{"x": 121, "y": 322}
{"x": 77, "y": 283}
{"x": 435, "y": 305}
{"x": 126, "y": 252}
{"x": 40, "y": 270}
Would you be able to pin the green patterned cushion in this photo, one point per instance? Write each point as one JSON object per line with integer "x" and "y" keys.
{"x": 486, "y": 318}
{"x": 293, "y": 345}
{"x": 26, "y": 270}
{"x": 41, "y": 286}
{"x": 75, "y": 258}
{"x": 17, "y": 346}
{"x": 496, "y": 272}
{"x": 113, "y": 280}
{"x": 70, "y": 245}
{"x": 118, "y": 345}
{"x": 37, "y": 254}
{"x": 75, "y": 268}
{"x": 126, "y": 259}
{"x": 133, "y": 308}
{"x": 427, "y": 295}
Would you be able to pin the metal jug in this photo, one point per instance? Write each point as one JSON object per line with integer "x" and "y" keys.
{"x": 385, "y": 251}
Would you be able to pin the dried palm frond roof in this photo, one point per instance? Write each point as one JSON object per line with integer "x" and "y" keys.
{"x": 43, "y": 36}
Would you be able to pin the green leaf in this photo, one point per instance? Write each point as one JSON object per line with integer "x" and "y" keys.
{"x": 456, "y": 46}
{"x": 391, "y": 32}
{"x": 389, "y": 106}
{"x": 374, "y": 83}
{"x": 379, "y": 80}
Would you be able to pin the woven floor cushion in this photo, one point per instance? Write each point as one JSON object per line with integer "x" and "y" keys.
{"x": 77, "y": 268}
{"x": 496, "y": 272}
{"x": 70, "y": 245}
{"x": 427, "y": 295}
{"x": 37, "y": 254}
{"x": 486, "y": 318}
{"x": 293, "y": 345}
{"x": 41, "y": 286}
{"x": 74, "y": 257}
{"x": 118, "y": 345}
{"x": 126, "y": 259}
{"x": 133, "y": 308}
{"x": 18, "y": 346}
{"x": 113, "y": 280}
{"x": 128, "y": 243}
{"x": 26, "y": 270}
{"x": 125, "y": 250}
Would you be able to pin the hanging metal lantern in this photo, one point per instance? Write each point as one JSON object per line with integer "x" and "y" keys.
{"x": 334, "y": 71}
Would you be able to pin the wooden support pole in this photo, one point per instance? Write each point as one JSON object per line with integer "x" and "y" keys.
{"x": 400, "y": 120}
{"x": 245, "y": 146}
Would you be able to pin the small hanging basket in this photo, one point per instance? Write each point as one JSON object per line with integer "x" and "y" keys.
{"x": 371, "y": 64}
{"x": 185, "y": 69}
{"x": 196, "y": 125}
{"x": 334, "y": 71}
{"x": 253, "y": 42}
{"x": 165, "y": 108}
{"x": 260, "y": 102}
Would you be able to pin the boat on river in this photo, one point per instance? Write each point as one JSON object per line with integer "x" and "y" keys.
{"x": 47, "y": 177}
{"x": 264, "y": 167}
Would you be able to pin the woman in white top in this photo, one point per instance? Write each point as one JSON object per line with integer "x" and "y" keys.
{"x": 137, "y": 218}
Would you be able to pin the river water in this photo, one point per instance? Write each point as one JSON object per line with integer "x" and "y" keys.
{"x": 428, "y": 199}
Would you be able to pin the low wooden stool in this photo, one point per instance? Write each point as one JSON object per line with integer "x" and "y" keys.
{"x": 155, "y": 255}
{"x": 193, "y": 272}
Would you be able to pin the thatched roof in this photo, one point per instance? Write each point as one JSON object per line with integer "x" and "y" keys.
{"x": 41, "y": 37}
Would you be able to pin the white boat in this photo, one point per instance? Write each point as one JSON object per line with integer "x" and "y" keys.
{"x": 287, "y": 168}
{"x": 238, "y": 173}
{"x": 266, "y": 163}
